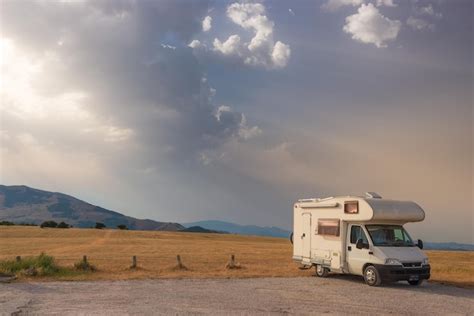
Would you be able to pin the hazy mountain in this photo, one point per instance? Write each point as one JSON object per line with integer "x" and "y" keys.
{"x": 448, "y": 246}
{"x": 199, "y": 229}
{"x": 241, "y": 229}
{"x": 22, "y": 204}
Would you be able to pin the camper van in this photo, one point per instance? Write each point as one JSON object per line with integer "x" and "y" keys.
{"x": 361, "y": 236}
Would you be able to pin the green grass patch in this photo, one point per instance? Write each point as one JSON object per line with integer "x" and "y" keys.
{"x": 42, "y": 265}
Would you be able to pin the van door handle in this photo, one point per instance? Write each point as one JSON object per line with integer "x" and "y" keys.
{"x": 303, "y": 236}
{"x": 349, "y": 248}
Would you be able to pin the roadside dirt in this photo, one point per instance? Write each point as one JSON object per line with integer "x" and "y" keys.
{"x": 310, "y": 295}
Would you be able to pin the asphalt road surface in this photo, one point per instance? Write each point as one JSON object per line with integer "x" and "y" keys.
{"x": 310, "y": 295}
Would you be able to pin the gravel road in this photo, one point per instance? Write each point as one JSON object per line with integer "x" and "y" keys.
{"x": 310, "y": 295}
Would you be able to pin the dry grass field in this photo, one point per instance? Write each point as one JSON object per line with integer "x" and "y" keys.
{"x": 205, "y": 255}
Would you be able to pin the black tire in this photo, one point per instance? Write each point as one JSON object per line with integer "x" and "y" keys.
{"x": 321, "y": 271}
{"x": 291, "y": 238}
{"x": 372, "y": 276}
{"x": 415, "y": 283}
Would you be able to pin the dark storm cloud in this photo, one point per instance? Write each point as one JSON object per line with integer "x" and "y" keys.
{"x": 131, "y": 60}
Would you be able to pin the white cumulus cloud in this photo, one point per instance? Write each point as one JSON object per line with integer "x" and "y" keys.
{"x": 280, "y": 54}
{"x": 229, "y": 47}
{"x": 195, "y": 44}
{"x": 369, "y": 26}
{"x": 333, "y": 5}
{"x": 262, "y": 49}
{"x": 207, "y": 23}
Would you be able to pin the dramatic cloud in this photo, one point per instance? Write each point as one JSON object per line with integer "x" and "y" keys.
{"x": 369, "y": 26}
{"x": 333, "y": 5}
{"x": 122, "y": 85}
{"x": 206, "y": 23}
{"x": 419, "y": 24}
{"x": 133, "y": 106}
{"x": 261, "y": 50}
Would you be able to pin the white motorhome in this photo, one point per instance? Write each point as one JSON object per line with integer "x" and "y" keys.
{"x": 359, "y": 235}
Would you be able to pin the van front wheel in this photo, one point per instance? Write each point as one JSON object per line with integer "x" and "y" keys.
{"x": 372, "y": 276}
{"x": 321, "y": 271}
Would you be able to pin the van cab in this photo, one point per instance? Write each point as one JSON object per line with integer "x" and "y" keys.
{"x": 361, "y": 236}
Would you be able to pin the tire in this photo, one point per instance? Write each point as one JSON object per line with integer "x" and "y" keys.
{"x": 321, "y": 271}
{"x": 372, "y": 276}
{"x": 415, "y": 283}
{"x": 291, "y": 238}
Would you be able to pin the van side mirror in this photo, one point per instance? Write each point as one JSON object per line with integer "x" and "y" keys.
{"x": 360, "y": 244}
{"x": 420, "y": 244}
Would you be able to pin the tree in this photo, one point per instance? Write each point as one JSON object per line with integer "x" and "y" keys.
{"x": 122, "y": 227}
{"x": 99, "y": 225}
{"x": 51, "y": 224}
{"x": 63, "y": 225}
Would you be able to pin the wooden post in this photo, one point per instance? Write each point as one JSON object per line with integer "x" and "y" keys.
{"x": 232, "y": 264}
{"x": 134, "y": 262}
{"x": 180, "y": 264}
{"x": 84, "y": 259}
{"x": 18, "y": 258}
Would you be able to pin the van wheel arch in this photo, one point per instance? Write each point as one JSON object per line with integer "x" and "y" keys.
{"x": 321, "y": 271}
{"x": 365, "y": 266}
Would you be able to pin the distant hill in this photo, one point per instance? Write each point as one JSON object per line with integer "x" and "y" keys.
{"x": 448, "y": 246}
{"x": 199, "y": 229}
{"x": 22, "y": 204}
{"x": 241, "y": 229}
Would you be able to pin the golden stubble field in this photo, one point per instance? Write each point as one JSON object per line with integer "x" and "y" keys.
{"x": 205, "y": 255}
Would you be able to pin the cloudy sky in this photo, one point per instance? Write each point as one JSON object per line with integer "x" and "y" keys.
{"x": 193, "y": 110}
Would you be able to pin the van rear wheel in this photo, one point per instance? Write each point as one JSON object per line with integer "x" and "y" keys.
{"x": 321, "y": 271}
{"x": 372, "y": 276}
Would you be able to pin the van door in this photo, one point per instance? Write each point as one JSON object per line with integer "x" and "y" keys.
{"x": 306, "y": 235}
{"x": 356, "y": 258}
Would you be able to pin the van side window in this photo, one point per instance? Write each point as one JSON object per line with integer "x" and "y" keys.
{"x": 329, "y": 227}
{"x": 358, "y": 233}
{"x": 351, "y": 207}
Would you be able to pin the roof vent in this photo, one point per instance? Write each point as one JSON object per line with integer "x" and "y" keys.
{"x": 372, "y": 195}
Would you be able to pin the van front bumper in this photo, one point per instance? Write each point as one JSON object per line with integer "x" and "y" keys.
{"x": 392, "y": 273}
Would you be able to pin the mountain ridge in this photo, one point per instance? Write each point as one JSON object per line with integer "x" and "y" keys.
{"x": 23, "y": 204}
{"x": 232, "y": 228}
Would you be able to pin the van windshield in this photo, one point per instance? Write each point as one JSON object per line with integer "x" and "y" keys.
{"x": 389, "y": 236}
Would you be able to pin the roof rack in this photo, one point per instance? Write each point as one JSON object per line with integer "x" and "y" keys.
{"x": 308, "y": 200}
{"x": 312, "y": 200}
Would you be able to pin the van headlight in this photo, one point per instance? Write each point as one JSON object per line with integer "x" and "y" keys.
{"x": 426, "y": 262}
{"x": 393, "y": 262}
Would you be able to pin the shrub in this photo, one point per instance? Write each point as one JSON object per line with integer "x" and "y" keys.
{"x": 99, "y": 225}
{"x": 63, "y": 225}
{"x": 40, "y": 265}
{"x": 122, "y": 227}
{"x": 6, "y": 223}
{"x": 52, "y": 224}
